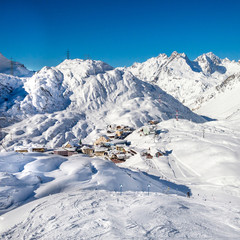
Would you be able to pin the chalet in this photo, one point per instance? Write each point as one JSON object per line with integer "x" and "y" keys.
{"x": 149, "y": 156}
{"x": 21, "y": 149}
{"x": 61, "y": 152}
{"x": 111, "y": 127}
{"x": 87, "y": 150}
{"x": 117, "y": 157}
{"x": 71, "y": 144}
{"x": 115, "y": 160}
{"x": 146, "y": 130}
{"x": 119, "y": 142}
{"x": 153, "y": 122}
{"x": 38, "y": 149}
{"x": 102, "y": 151}
{"x": 158, "y": 154}
{"x": 102, "y": 139}
{"x": 111, "y": 135}
{"x": 121, "y": 156}
{"x": 127, "y": 129}
{"x": 120, "y": 148}
{"x": 119, "y": 132}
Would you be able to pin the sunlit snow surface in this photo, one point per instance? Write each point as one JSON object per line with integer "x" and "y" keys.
{"x": 85, "y": 198}
{"x": 191, "y": 82}
{"x": 79, "y": 97}
{"x": 44, "y": 196}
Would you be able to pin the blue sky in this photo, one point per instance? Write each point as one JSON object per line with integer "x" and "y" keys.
{"x": 39, "y": 32}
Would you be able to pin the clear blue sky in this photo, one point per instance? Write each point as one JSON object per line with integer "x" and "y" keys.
{"x": 39, "y": 32}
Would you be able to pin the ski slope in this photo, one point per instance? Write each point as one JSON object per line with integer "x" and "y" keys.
{"x": 109, "y": 215}
{"x": 91, "y": 198}
{"x": 204, "y": 157}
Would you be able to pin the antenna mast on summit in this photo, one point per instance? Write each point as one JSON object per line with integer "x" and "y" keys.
{"x": 68, "y": 54}
{"x": 11, "y": 66}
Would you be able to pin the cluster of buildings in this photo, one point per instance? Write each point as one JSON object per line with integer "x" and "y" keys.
{"x": 111, "y": 145}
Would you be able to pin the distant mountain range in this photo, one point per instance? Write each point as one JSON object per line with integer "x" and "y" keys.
{"x": 191, "y": 82}
{"x": 78, "y": 97}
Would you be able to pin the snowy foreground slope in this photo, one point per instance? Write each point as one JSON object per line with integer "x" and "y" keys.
{"x": 89, "y": 203}
{"x": 191, "y": 82}
{"x": 84, "y": 198}
{"x": 109, "y": 215}
{"x": 80, "y": 97}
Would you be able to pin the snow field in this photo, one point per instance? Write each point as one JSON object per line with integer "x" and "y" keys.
{"x": 100, "y": 214}
{"x": 34, "y": 175}
{"x": 191, "y": 159}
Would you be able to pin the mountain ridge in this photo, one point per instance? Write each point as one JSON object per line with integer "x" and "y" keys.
{"x": 77, "y": 97}
{"x": 188, "y": 81}
{"x": 18, "y": 69}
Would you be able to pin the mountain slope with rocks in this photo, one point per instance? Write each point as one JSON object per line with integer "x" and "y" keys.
{"x": 191, "y": 82}
{"x": 77, "y": 97}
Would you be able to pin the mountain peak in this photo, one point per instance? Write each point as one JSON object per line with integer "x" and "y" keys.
{"x": 18, "y": 69}
{"x": 175, "y": 53}
{"x": 85, "y": 67}
{"x": 210, "y": 56}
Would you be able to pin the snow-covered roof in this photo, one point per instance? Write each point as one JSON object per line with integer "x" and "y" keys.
{"x": 121, "y": 156}
{"x": 117, "y": 141}
{"x": 17, "y": 148}
{"x": 101, "y": 149}
{"x": 86, "y": 147}
{"x": 73, "y": 143}
{"x": 105, "y": 136}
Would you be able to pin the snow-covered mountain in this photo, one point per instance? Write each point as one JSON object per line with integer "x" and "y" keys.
{"x": 191, "y": 82}
{"x": 18, "y": 69}
{"x": 224, "y": 102}
{"x": 78, "y": 96}
{"x": 144, "y": 197}
{"x": 11, "y": 88}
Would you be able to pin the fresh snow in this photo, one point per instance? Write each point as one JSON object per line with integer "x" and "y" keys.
{"x": 94, "y": 198}
{"x": 191, "y": 82}
{"x": 225, "y": 102}
{"x": 45, "y": 196}
{"x": 78, "y": 97}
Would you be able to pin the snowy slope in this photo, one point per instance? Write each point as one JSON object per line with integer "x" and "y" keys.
{"x": 78, "y": 97}
{"x": 203, "y": 154}
{"x": 109, "y": 215}
{"x": 11, "y": 90}
{"x": 191, "y": 82}
{"x": 26, "y": 177}
{"x": 87, "y": 202}
{"x": 18, "y": 69}
{"x": 225, "y": 101}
